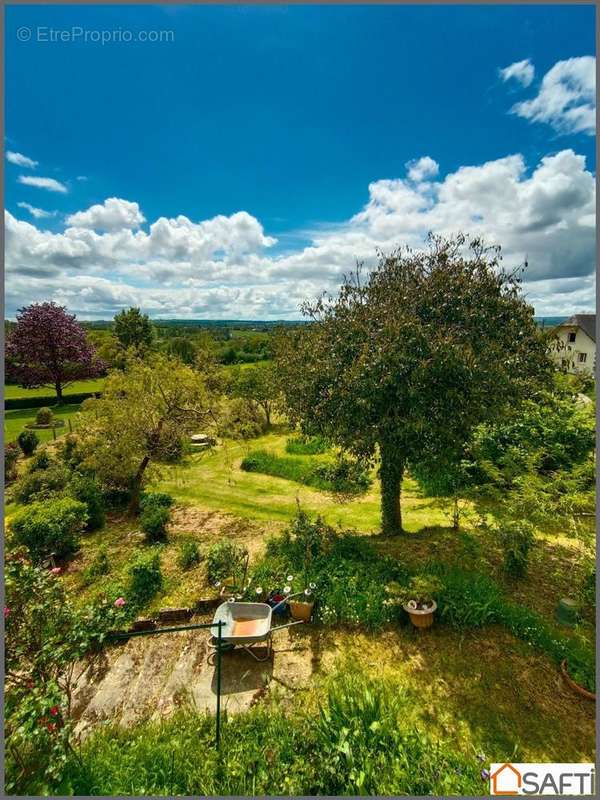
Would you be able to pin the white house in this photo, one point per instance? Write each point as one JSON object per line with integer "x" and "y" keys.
{"x": 577, "y": 348}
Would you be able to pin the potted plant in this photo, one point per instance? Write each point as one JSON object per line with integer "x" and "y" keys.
{"x": 302, "y": 607}
{"x": 416, "y": 598}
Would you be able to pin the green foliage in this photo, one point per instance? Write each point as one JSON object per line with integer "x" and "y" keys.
{"x": 189, "y": 555}
{"x": 162, "y": 499}
{"x": 11, "y": 457}
{"x": 28, "y": 441}
{"x": 44, "y": 416}
{"x": 225, "y": 559}
{"x": 133, "y": 329}
{"x": 41, "y": 460}
{"x": 421, "y": 589}
{"x": 88, "y": 490}
{"x": 153, "y": 521}
{"x": 41, "y": 484}
{"x": 306, "y": 445}
{"x": 241, "y": 420}
{"x": 68, "y": 450}
{"x": 259, "y": 387}
{"x": 360, "y": 744}
{"x": 468, "y": 599}
{"x": 342, "y": 476}
{"x": 51, "y": 526}
{"x": 100, "y": 566}
{"x": 516, "y": 539}
{"x": 45, "y": 634}
{"x": 145, "y": 578}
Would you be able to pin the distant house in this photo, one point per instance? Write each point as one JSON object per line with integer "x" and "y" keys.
{"x": 577, "y": 348}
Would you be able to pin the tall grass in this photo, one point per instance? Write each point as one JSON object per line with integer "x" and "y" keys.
{"x": 358, "y": 743}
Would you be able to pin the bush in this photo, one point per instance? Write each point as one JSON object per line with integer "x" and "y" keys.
{"x": 41, "y": 460}
{"x": 225, "y": 559}
{"x": 50, "y": 527}
{"x": 68, "y": 450}
{"x": 156, "y": 499}
{"x": 44, "y": 416}
{"x": 99, "y": 566}
{"x": 41, "y": 484}
{"x": 115, "y": 497}
{"x": 516, "y": 539}
{"x": 343, "y": 476}
{"x": 306, "y": 445}
{"x": 468, "y": 599}
{"x": 241, "y": 420}
{"x": 28, "y": 441}
{"x": 189, "y": 555}
{"x": 11, "y": 456}
{"x": 145, "y": 578}
{"x": 87, "y": 489}
{"x": 153, "y": 521}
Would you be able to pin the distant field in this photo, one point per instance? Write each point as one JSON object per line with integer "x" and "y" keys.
{"x": 15, "y": 421}
{"x": 95, "y": 385}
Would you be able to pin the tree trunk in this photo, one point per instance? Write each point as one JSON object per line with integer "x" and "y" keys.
{"x": 391, "y": 472}
{"x": 59, "y": 393}
{"x": 136, "y": 486}
{"x": 267, "y": 409}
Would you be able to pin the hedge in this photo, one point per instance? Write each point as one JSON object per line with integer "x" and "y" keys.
{"x": 11, "y": 403}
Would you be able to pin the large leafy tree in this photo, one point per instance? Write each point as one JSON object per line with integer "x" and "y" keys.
{"x": 407, "y": 362}
{"x": 148, "y": 403}
{"x": 48, "y": 347}
{"x": 133, "y": 329}
{"x": 259, "y": 385}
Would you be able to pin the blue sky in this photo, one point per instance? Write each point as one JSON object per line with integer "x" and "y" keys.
{"x": 251, "y": 139}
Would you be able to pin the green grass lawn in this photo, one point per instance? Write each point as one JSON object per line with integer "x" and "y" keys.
{"x": 215, "y": 481}
{"x": 95, "y": 385}
{"x": 16, "y": 419}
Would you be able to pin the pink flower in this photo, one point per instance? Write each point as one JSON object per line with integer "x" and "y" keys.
{"x": 6, "y": 612}
{"x": 120, "y": 602}
{"x": 56, "y": 570}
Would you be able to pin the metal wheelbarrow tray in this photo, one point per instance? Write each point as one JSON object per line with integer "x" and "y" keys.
{"x": 246, "y": 625}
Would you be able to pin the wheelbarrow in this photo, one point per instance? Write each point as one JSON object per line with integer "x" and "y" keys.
{"x": 247, "y": 625}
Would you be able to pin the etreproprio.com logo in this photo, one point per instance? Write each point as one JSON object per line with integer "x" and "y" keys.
{"x": 76, "y": 34}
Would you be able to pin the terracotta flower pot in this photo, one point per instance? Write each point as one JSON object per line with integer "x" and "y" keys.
{"x": 575, "y": 686}
{"x": 421, "y": 617}
{"x": 301, "y": 610}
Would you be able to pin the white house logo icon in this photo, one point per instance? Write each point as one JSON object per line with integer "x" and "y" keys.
{"x": 506, "y": 780}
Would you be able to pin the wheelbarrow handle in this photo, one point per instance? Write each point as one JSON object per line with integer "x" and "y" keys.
{"x": 287, "y": 625}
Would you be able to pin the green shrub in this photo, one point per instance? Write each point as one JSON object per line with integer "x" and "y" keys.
{"x": 41, "y": 460}
{"x": 99, "y": 566}
{"x": 28, "y": 441}
{"x": 48, "y": 527}
{"x": 467, "y": 599}
{"x": 153, "y": 521}
{"x": 145, "y": 578}
{"x": 189, "y": 555}
{"x": 115, "y": 497}
{"x": 68, "y": 449}
{"x": 44, "y": 416}
{"x": 11, "y": 456}
{"x": 306, "y": 445}
{"x": 241, "y": 420}
{"x": 156, "y": 499}
{"x": 343, "y": 476}
{"x": 516, "y": 539}
{"x": 40, "y": 484}
{"x": 225, "y": 559}
{"x": 87, "y": 489}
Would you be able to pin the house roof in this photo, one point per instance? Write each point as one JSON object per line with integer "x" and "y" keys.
{"x": 587, "y": 322}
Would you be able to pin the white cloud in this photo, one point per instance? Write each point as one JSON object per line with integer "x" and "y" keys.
{"x": 20, "y": 160}
{"x": 225, "y": 267}
{"x": 521, "y": 71}
{"x": 422, "y": 168}
{"x": 43, "y": 183}
{"x": 113, "y": 215}
{"x": 38, "y": 213}
{"x": 566, "y": 99}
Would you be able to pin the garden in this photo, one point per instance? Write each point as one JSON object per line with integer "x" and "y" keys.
{"x": 437, "y": 553}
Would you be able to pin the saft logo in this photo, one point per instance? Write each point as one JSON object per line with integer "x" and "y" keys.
{"x": 534, "y": 779}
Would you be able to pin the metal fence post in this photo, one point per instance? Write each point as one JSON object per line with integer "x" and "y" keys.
{"x": 219, "y": 646}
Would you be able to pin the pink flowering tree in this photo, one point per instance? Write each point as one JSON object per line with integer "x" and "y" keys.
{"x": 48, "y": 347}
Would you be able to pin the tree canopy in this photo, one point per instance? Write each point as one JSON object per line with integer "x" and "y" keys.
{"x": 48, "y": 347}
{"x": 125, "y": 429}
{"x": 408, "y": 361}
{"x": 133, "y": 329}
